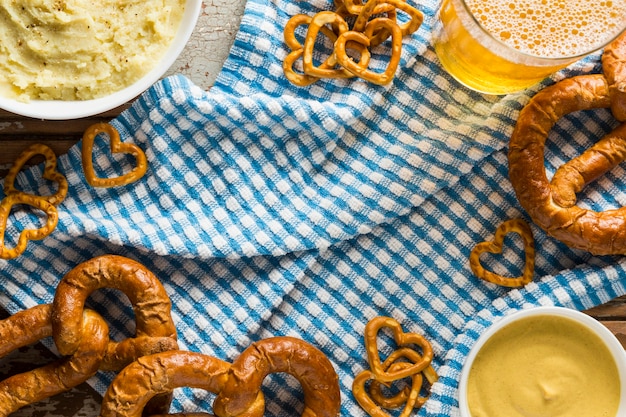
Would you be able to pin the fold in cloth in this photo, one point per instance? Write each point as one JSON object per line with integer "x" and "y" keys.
{"x": 270, "y": 209}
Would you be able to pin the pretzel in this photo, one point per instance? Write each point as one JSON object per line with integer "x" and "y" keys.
{"x": 29, "y": 326}
{"x": 328, "y": 67}
{"x": 381, "y": 25}
{"x": 155, "y": 330}
{"x": 402, "y": 339}
{"x": 17, "y": 198}
{"x": 614, "y": 69}
{"x": 520, "y": 227}
{"x": 116, "y": 147}
{"x": 163, "y": 372}
{"x": 370, "y": 29}
{"x": 50, "y": 173}
{"x": 407, "y": 394}
{"x": 601, "y": 233}
{"x": 415, "y": 366}
{"x": 306, "y": 363}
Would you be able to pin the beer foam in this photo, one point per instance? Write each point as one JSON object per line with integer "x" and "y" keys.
{"x": 551, "y": 28}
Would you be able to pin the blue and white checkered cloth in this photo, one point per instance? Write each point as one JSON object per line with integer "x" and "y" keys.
{"x": 270, "y": 209}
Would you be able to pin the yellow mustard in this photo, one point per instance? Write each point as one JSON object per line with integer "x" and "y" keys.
{"x": 544, "y": 366}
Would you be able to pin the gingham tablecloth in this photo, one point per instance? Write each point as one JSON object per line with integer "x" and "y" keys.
{"x": 270, "y": 209}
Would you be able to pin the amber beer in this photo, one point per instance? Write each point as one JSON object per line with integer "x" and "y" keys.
{"x": 504, "y": 46}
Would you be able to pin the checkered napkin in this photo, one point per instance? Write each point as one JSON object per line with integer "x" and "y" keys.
{"x": 270, "y": 209}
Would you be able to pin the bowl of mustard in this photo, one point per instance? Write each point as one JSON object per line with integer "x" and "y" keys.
{"x": 69, "y": 59}
{"x": 544, "y": 362}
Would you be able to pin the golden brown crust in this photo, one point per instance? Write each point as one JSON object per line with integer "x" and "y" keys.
{"x": 520, "y": 227}
{"x": 161, "y": 373}
{"x": 306, "y": 363}
{"x": 614, "y": 68}
{"x": 33, "y": 386}
{"x": 117, "y": 146}
{"x": 600, "y": 233}
{"x": 149, "y": 299}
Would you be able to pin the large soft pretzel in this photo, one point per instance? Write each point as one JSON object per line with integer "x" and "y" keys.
{"x": 160, "y": 373}
{"x": 155, "y": 330}
{"x": 306, "y": 363}
{"x": 32, "y": 325}
{"x": 551, "y": 205}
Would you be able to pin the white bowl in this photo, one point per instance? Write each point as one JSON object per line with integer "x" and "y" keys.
{"x": 66, "y": 110}
{"x": 609, "y": 339}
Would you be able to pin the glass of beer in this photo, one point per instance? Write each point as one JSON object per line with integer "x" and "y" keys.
{"x": 505, "y": 46}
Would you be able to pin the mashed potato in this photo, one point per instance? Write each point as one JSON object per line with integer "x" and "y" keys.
{"x": 81, "y": 49}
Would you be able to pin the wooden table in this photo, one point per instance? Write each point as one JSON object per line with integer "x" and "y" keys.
{"x": 215, "y": 32}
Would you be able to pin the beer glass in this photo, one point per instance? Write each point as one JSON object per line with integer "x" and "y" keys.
{"x": 504, "y": 46}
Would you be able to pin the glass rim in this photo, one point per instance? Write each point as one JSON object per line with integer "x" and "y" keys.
{"x": 551, "y": 59}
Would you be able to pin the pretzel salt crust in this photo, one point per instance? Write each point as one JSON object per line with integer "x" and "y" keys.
{"x": 306, "y": 363}
{"x": 155, "y": 330}
{"x": 117, "y": 146}
{"x": 520, "y": 227}
{"x": 29, "y": 326}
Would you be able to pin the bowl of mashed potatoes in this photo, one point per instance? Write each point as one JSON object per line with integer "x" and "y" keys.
{"x": 544, "y": 361}
{"x": 68, "y": 59}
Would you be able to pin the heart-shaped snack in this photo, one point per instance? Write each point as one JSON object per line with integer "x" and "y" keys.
{"x": 116, "y": 147}
{"x": 401, "y": 339}
{"x": 7, "y": 204}
{"x": 50, "y": 173}
{"x": 520, "y": 227}
{"x": 364, "y": 38}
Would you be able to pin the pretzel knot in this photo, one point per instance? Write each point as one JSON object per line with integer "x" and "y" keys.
{"x": 160, "y": 373}
{"x": 374, "y": 23}
{"x": 306, "y": 363}
{"x": 404, "y": 362}
{"x": 155, "y": 330}
{"x": 552, "y": 204}
{"x": 29, "y": 326}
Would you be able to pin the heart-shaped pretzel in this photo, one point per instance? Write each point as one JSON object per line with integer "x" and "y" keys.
{"x": 14, "y": 199}
{"x": 50, "y": 173}
{"x": 401, "y": 339}
{"x": 364, "y": 38}
{"x": 316, "y": 25}
{"x": 520, "y": 227}
{"x": 406, "y": 395}
{"x": 369, "y": 10}
{"x": 117, "y": 146}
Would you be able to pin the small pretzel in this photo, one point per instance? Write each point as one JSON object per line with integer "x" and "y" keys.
{"x": 29, "y": 326}
{"x": 401, "y": 339}
{"x": 163, "y": 372}
{"x": 306, "y": 363}
{"x": 116, "y": 147}
{"x": 155, "y": 330}
{"x": 408, "y": 394}
{"x": 520, "y": 227}
{"x": 377, "y": 24}
{"x": 50, "y": 173}
{"x": 369, "y": 10}
{"x": 355, "y": 7}
{"x": 14, "y": 199}
{"x": 614, "y": 68}
{"x": 319, "y": 21}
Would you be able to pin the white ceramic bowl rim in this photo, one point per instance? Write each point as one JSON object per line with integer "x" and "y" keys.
{"x": 67, "y": 110}
{"x": 605, "y": 334}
